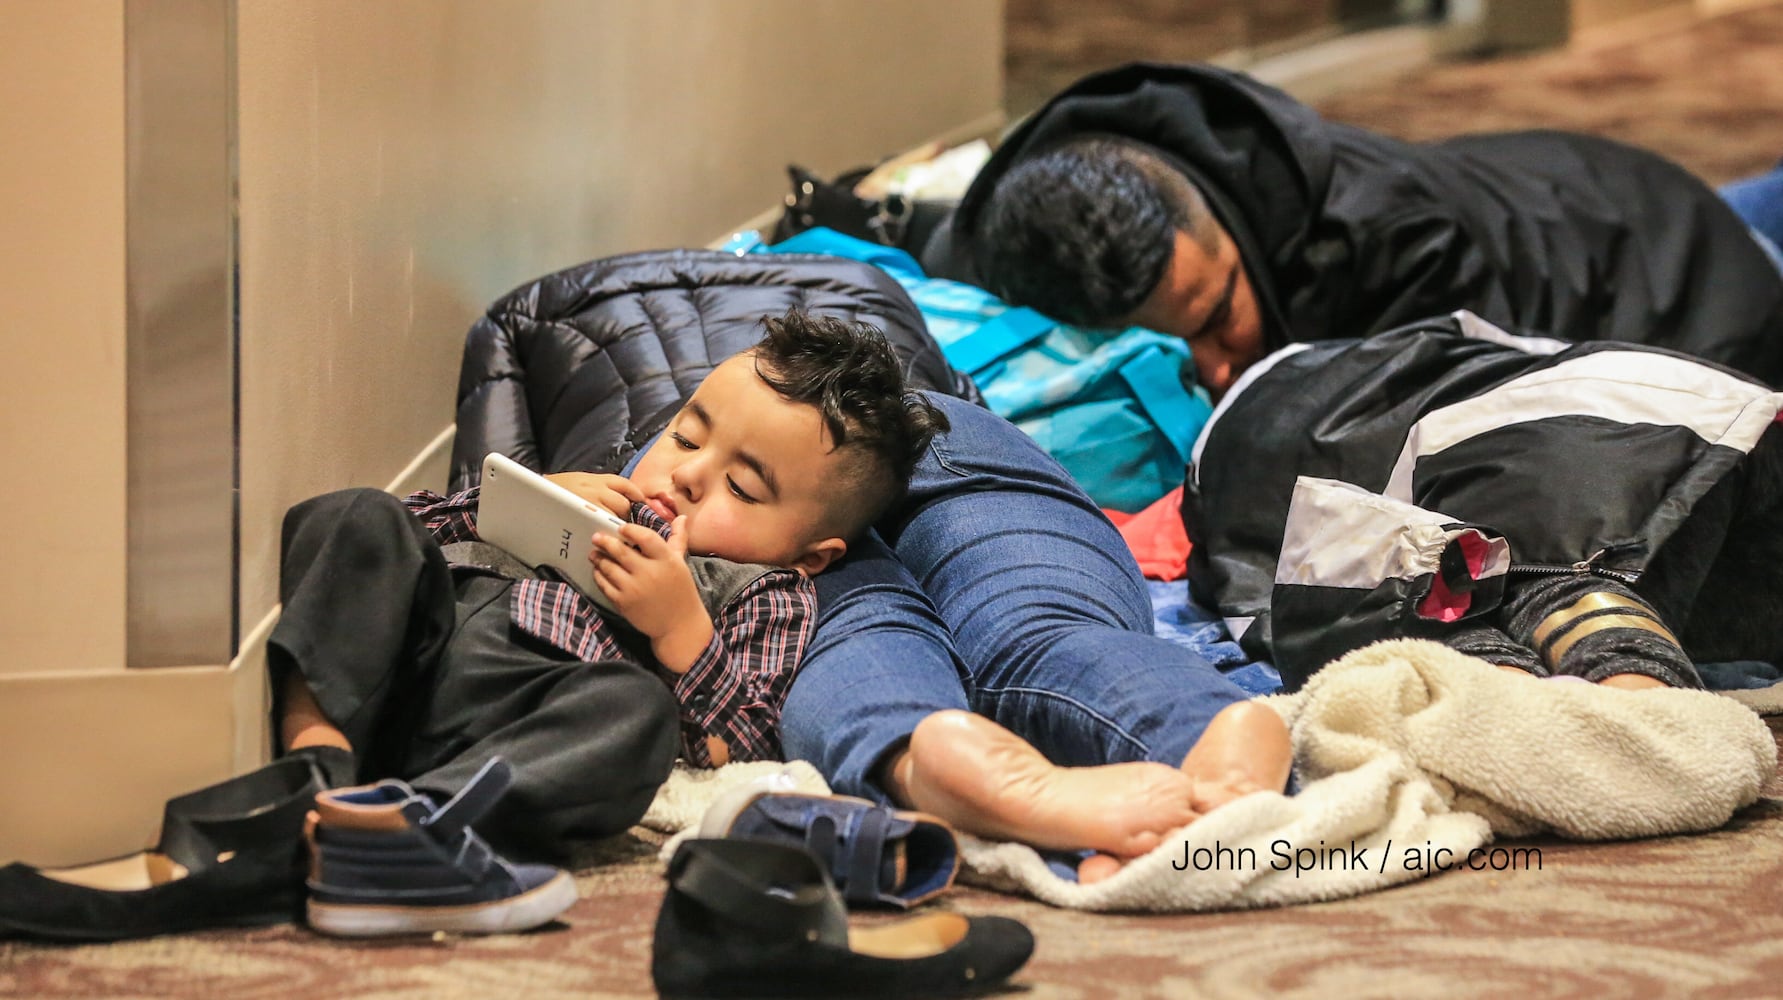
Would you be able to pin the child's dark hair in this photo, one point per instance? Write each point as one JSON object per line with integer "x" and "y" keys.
{"x": 849, "y": 373}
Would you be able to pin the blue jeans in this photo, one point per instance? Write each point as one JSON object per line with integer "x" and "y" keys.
{"x": 1759, "y": 201}
{"x": 998, "y": 588}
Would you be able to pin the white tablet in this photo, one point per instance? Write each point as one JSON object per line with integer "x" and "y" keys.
{"x": 541, "y": 523}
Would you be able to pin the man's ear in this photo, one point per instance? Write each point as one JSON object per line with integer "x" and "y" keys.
{"x": 818, "y": 555}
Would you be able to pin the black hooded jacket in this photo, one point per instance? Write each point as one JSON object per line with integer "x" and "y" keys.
{"x": 1346, "y": 233}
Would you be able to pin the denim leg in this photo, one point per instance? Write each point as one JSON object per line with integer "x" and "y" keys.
{"x": 1006, "y": 592}
{"x": 1759, "y": 201}
{"x": 1046, "y": 604}
{"x": 880, "y": 663}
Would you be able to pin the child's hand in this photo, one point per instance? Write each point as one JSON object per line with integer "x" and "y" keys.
{"x": 648, "y": 581}
{"x": 615, "y": 493}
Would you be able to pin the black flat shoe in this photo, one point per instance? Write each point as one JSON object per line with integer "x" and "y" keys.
{"x": 749, "y": 918}
{"x": 229, "y": 855}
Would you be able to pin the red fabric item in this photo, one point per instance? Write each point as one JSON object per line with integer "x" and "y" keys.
{"x": 1156, "y": 537}
{"x": 1444, "y": 604}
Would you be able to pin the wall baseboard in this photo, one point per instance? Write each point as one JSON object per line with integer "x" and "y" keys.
{"x": 92, "y": 756}
{"x": 429, "y": 469}
{"x": 986, "y": 126}
{"x": 1347, "y": 61}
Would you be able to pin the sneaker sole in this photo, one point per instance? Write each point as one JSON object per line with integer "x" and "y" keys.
{"x": 516, "y": 913}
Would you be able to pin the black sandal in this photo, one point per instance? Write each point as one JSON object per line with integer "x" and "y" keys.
{"x": 229, "y": 855}
{"x": 749, "y": 918}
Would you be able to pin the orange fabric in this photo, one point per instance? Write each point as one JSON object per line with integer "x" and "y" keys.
{"x": 1156, "y": 537}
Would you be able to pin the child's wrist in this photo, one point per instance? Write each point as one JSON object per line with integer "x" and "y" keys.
{"x": 678, "y": 648}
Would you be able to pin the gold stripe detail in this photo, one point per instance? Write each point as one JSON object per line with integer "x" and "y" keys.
{"x": 1598, "y": 601}
{"x": 1553, "y": 656}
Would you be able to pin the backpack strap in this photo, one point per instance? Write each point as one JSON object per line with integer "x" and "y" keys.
{"x": 996, "y": 338}
{"x": 1156, "y": 383}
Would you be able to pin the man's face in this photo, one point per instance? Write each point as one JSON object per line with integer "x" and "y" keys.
{"x": 750, "y": 469}
{"x": 1206, "y": 299}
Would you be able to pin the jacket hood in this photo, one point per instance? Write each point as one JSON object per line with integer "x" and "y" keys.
{"x": 1262, "y": 159}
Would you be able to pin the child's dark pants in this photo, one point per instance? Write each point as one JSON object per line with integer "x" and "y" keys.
{"x": 422, "y": 668}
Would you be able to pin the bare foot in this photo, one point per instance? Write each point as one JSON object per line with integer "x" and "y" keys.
{"x": 985, "y": 780}
{"x": 1632, "y": 682}
{"x": 1245, "y": 749}
{"x": 1097, "y": 867}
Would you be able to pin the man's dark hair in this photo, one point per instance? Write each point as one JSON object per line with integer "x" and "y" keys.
{"x": 849, "y": 373}
{"x": 1083, "y": 232}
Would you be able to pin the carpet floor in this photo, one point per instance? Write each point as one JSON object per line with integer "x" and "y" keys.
{"x": 1680, "y": 916}
{"x": 1695, "y": 916}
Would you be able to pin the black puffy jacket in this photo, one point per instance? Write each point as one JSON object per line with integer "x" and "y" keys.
{"x": 1347, "y": 233}
{"x": 578, "y": 369}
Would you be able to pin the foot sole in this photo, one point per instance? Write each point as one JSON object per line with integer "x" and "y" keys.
{"x": 516, "y": 913}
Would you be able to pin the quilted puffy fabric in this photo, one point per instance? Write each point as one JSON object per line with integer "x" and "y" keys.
{"x": 576, "y": 370}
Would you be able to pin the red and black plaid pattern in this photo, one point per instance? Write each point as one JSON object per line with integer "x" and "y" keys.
{"x": 736, "y": 686}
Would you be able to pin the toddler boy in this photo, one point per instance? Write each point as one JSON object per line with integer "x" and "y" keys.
{"x": 399, "y": 645}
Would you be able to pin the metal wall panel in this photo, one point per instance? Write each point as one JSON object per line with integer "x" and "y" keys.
{"x": 181, "y": 332}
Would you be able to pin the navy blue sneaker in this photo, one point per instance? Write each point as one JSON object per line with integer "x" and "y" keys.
{"x": 876, "y": 855}
{"x": 386, "y": 860}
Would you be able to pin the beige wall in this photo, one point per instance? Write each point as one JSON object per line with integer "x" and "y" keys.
{"x": 403, "y": 163}
{"x": 62, "y": 333}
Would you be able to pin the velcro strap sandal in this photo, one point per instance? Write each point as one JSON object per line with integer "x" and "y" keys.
{"x": 876, "y": 855}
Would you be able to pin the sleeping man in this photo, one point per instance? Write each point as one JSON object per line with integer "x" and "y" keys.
{"x": 1599, "y": 511}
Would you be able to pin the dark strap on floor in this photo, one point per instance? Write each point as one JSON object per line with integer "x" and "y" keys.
{"x": 866, "y": 849}
{"x": 775, "y": 901}
{"x": 823, "y": 840}
{"x": 262, "y": 809}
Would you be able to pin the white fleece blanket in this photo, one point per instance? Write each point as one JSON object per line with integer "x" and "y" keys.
{"x": 1410, "y": 756}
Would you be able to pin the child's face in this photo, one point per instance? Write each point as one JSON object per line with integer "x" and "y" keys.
{"x": 752, "y": 471}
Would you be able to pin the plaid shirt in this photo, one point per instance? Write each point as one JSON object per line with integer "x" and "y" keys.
{"x": 736, "y": 686}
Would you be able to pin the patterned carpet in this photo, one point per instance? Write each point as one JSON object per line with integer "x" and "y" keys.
{"x": 1678, "y": 916}
{"x": 1710, "y": 97}
{"x": 1687, "y": 916}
